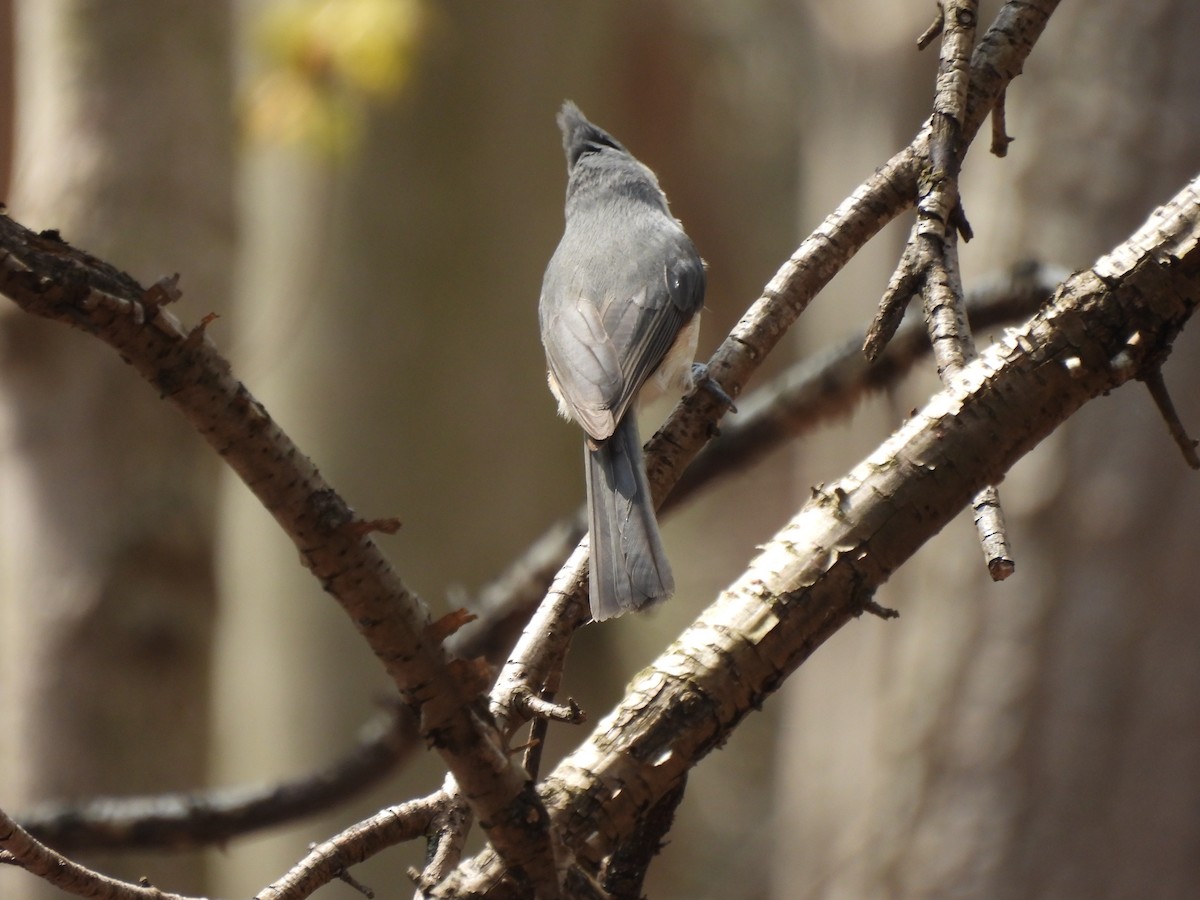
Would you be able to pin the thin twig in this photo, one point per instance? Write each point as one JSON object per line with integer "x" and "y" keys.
{"x": 346, "y": 878}
{"x": 1000, "y": 137}
{"x": 541, "y": 710}
{"x": 445, "y": 838}
{"x": 953, "y": 347}
{"x": 904, "y": 284}
{"x": 329, "y": 859}
{"x": 36, "y": 858}
{"x": 930, "y": 34}
{"x": 937, "y": 202}
{"x": 929, "y": 264}
{"x": 535, "y": 747}
{"x": 543, "y": 707}
{"x": 1166, "y": 408}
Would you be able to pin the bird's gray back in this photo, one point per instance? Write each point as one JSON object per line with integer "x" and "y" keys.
{"x": 623, "y": 282}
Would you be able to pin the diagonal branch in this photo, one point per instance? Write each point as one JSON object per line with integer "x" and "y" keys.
{"x": 829, "y": 385}
{"x": 18, "y": 847}
{"x": 997, "y": 60}
{"x": 72, "y": 287}
{"x": 813, "y": 391}
{"x": 197, "y": 818}
{"x": 1105, "y": 326}
{"x": 49, "y": 278}
{"x": 331, "y": 858}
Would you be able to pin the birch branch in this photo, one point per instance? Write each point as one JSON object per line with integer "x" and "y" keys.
{"x": 1105, "y": 326}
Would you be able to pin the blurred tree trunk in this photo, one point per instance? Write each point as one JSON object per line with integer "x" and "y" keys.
{"x": 6, "y": 95}
{"x": 124, "y": 145}
{"x": 1040, "y": 737}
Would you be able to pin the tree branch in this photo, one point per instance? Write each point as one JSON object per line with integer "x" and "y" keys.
{"x": 1104, "y": 327}
{"x": 49, "y": 278}
{"x": 998, "y": 58}
{"x": 830, "y": 385}
{"x": 329, "y": 859}
{"x": 929, "y": 264}
{"x": 813, "y": 391}
{"x": 198, "y": 818}
{"x": 38, "y": 859}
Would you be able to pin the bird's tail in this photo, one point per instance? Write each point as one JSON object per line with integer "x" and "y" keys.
{"x": 629, "y": 568}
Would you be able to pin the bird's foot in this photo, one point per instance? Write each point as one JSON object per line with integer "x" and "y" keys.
{"x": 702, "y": 378}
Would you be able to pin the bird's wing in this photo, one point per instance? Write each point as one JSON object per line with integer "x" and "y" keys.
{"x": 614, "y": 320}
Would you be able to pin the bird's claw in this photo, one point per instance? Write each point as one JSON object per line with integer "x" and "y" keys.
{"x": 702, "y": 378}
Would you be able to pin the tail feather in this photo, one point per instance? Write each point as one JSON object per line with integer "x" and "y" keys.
{"x": 629, "y": 568}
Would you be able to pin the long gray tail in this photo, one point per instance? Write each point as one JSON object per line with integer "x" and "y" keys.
{"x": 629, "y": 569}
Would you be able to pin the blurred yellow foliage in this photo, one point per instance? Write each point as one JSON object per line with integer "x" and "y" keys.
{"x": 323, "y": 62}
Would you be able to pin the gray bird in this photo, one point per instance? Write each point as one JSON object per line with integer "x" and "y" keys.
{"x": 619, "y": 316}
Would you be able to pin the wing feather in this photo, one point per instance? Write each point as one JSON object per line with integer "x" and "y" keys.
{"x": 610, "y": 312}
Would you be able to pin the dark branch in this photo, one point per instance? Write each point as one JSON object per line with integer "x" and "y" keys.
{"x": 181, "y": 821}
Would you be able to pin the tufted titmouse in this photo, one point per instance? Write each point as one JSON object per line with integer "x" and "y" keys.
{"x": 619, "y": 315}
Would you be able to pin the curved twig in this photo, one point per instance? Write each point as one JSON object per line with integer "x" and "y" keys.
{"x": 329, "y": 859}
{"x": 36, "y": 858}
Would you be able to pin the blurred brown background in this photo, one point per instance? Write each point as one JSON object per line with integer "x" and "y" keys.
{"x": 369, "y": 200}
